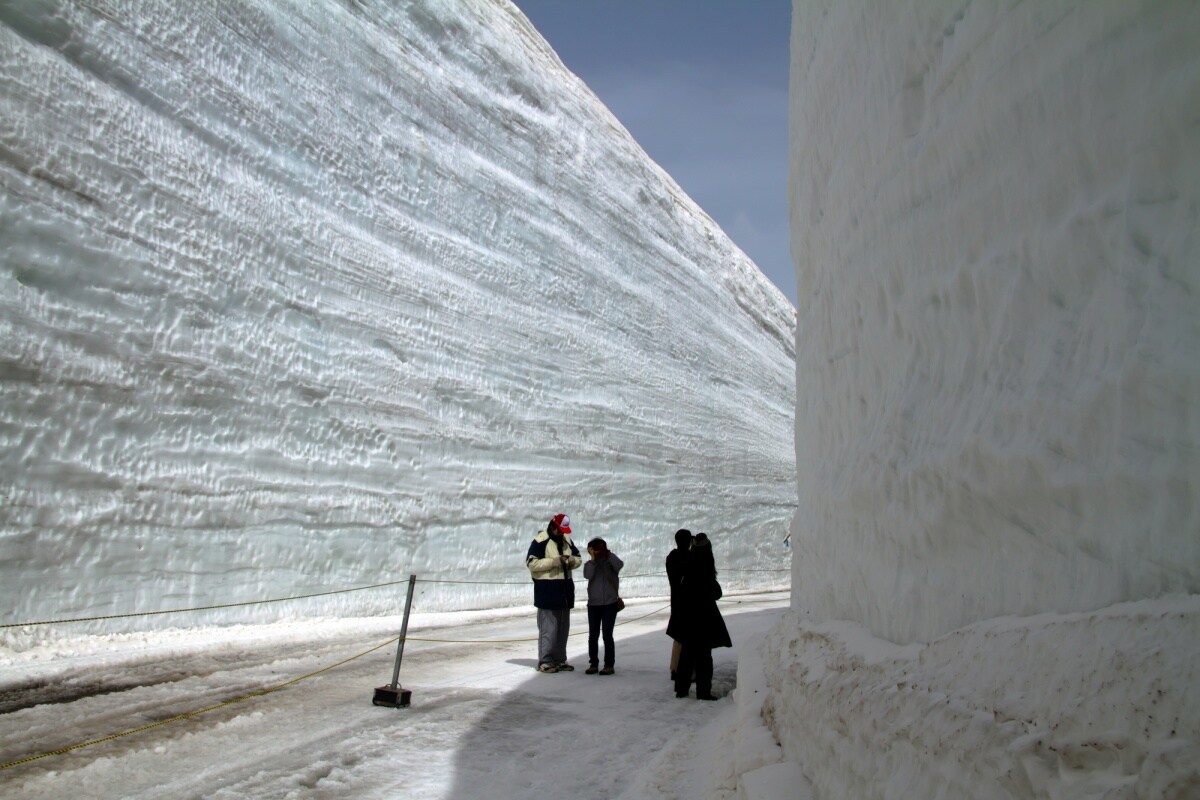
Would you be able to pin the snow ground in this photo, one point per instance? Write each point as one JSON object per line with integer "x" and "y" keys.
{"x": 482, "y": 723}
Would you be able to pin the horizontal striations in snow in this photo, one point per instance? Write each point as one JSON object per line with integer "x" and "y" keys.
{"x": 994, "y": 212}
{"x": 298, "y": 297}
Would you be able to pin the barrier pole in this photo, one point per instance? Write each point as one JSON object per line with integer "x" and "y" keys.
{"x": 392, "y": 694}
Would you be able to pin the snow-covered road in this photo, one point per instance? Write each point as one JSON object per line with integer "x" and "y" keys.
{"x": 482, "y": 723}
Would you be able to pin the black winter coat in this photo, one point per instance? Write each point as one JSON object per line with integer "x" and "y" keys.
{"x": 695, "y": 618}
{"x": 675, "y": 561}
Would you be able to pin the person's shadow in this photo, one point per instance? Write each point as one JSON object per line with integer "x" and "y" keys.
{"x": 524, "y": 662}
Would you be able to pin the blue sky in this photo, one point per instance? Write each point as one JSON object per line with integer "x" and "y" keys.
{"x": 702, "y": 85}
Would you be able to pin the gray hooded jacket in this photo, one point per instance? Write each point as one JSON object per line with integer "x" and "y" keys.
{"x": 603, "y": 582}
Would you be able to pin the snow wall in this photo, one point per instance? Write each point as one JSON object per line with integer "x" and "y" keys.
{"x": 995, "y": 588}
{"x": 298, "y": 297}
{"x": 994, "y": 210}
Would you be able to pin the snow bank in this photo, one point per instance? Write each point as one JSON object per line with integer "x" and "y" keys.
{"x": 994, "y": 213}
{"x": 1010, "y": 707}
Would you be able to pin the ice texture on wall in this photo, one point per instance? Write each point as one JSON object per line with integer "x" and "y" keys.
{"x": 994, "y": 211}
{"x": 305, "y": 296}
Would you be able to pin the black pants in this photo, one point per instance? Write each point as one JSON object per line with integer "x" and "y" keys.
{"x": 601, "y": 617}
{"x": 696, "y": 657}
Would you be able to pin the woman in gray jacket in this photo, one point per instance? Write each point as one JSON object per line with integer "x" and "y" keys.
{"x": 602, "y": 606}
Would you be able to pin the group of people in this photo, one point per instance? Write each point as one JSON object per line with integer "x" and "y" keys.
{"x": 695, "y": 625}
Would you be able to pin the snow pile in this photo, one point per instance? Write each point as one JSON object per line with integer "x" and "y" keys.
{"x": 302, "y": 297}
{"x": 994, "y": 212}
{"x": 759, "y": 766}
{"x": 1036, "y": 706}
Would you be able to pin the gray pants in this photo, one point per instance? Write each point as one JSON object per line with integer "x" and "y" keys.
{"x": 553, "y": 626}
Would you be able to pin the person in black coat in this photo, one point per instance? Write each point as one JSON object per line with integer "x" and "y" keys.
{"x": 696, "y": 621}
{"x": 675, "y": 559}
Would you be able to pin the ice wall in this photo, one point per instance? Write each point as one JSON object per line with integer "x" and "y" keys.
{"x": 305, "y": 296}
{"x": 994, "y": 211}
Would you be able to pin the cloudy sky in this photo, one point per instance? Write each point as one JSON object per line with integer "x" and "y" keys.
{"x": 702, "y": 85}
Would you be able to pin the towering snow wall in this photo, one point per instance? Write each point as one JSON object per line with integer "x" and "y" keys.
{"x": 307, "y": 296}
{"x": 994, "y": 211}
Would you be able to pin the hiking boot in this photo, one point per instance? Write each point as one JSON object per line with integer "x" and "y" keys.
{"x": 592, "y": 670}
{"x": 547, "y": 668}
{"x": 565, "y": 668}
{"x": 606, "y": 671}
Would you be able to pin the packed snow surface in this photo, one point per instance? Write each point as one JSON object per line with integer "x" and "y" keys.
{"x": 482, "y": 723}
{"x": 298, "y": 297}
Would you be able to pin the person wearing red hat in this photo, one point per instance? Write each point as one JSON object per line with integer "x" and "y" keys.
{"x": 550, "y": 559}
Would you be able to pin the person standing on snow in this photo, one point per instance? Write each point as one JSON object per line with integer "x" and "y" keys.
{"x": 550, "y": 559}
{"x": 603, "y": 603}
{"x": 675, "y": 559}
{"x": 696, "y": 621}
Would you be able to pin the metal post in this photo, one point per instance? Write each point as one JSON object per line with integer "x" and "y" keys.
{"x": 392, "y": 694}
{"x": 412, "y": 582}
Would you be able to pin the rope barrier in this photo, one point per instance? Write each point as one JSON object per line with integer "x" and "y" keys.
{"x": 276, "y": 687}
{"x": 526, "y": 582}
{"x": 754, "y": 570}
{"x": 527, "y": 639}
{"x": 133, "y": 614}
{"x": 199, "y": 608}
